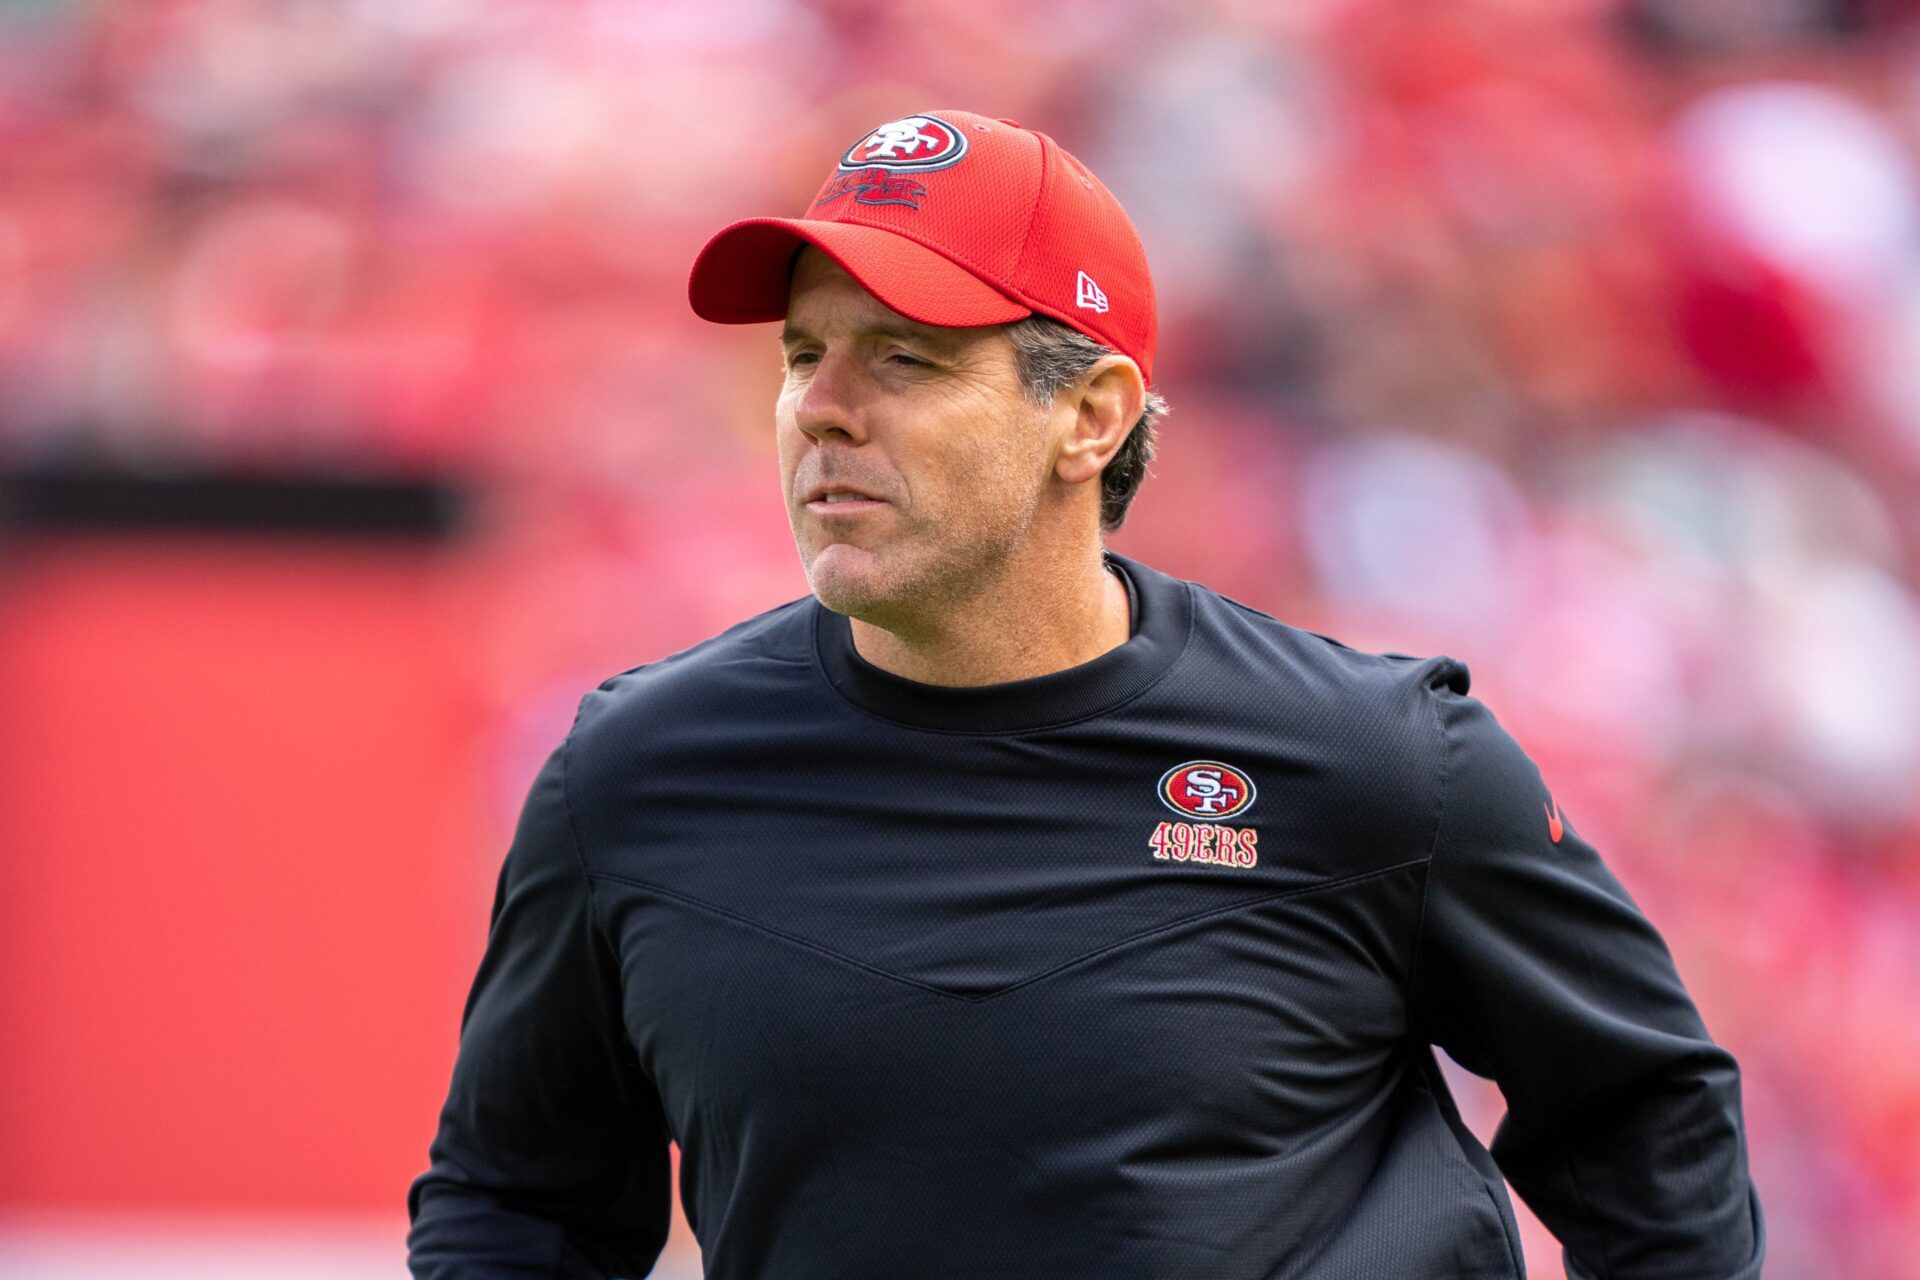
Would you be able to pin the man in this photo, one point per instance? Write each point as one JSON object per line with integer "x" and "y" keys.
{"x": 1008, "y": 908}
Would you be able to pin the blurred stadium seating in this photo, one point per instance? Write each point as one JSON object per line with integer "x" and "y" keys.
{"x": 1579, "y": 339}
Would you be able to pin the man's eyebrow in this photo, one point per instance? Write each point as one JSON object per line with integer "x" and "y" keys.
{"x": 791, "y": 333}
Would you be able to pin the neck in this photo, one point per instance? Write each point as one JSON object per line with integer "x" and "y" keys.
{"x": 1016, "y": 628}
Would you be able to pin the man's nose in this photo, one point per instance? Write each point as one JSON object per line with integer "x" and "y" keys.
{"x": 832, "y": 402}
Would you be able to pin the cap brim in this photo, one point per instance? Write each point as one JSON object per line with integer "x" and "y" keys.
{"x": 741, "y": 276}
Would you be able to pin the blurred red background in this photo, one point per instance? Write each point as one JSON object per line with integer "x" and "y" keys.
{"x": 353, "y": 423}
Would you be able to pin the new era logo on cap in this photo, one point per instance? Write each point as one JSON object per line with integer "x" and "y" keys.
{"x": 1091, "y": 296}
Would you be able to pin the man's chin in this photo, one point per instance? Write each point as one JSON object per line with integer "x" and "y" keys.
{"x": 848, "y": 580}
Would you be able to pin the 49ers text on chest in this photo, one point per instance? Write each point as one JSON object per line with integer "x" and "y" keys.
{"x": 1205, "y": 842}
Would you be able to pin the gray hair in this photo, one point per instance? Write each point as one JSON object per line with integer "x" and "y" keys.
{"x": 1051, "y": 357}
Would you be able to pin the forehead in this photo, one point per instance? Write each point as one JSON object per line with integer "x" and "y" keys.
{"x": 812, "y": 269}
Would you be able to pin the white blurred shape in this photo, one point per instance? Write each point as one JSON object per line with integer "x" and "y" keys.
{"x": 1727, "y": 496}
{"x": 1600, "y": 644}
{"x": 93, "y": 1246}
{"x": 87, "y": 1248}
{"x": 1411, "y": 526}
{"x": 1843, "y": 651}
{"x": 1203, "y": 140}
{"x": 1804, "y": 175}
{"x": 421, "y": 18}
{"x": 1773, "y": 569}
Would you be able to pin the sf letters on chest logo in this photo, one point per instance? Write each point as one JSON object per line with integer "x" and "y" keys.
{"x": 1211, "y": 792}
{"x": 1206, "y": 789}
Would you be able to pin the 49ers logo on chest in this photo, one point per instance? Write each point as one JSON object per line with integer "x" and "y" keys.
{"x": 1210, "y": 792}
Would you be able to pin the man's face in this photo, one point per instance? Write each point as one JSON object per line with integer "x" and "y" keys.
{"x": 912, "y": 463}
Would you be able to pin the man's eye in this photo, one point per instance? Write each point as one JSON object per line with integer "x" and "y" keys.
{"x": 802, "y": 357}
{"x": 903, "y": 358}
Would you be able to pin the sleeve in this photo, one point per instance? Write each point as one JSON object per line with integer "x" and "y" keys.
{"x": 1535, "y": 968}
{"x": 551, "y": 1156}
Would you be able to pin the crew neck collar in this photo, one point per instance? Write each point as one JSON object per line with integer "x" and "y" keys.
{"x": 1162, "y": 616}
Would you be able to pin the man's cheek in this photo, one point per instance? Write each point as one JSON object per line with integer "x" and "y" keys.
{"x": 789, "y": 455}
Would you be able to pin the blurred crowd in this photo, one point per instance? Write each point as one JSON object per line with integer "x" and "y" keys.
{"x": 1578, "y": 339}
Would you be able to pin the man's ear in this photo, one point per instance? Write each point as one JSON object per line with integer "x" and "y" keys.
{"x": 1105, "y": 403}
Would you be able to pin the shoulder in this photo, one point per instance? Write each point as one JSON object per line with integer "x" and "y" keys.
{"x": 1317, "y": 673}
{"x": 1360, "y": 735}
{"x": 728, "y": 674}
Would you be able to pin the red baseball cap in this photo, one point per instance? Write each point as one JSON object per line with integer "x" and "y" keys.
{"x": 951, "y": 219}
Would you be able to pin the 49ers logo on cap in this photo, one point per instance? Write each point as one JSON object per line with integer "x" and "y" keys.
{"x": 1206, "y": 789}
{"x": 911, "y": 144}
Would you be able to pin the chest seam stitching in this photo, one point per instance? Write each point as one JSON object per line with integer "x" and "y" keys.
{"x": 1044, "y": 974}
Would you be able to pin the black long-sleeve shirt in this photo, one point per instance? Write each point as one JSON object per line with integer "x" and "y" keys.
{"x": 1126, "y": 971}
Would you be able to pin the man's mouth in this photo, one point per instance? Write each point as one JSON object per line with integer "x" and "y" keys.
{"x": 840, "y": 499}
